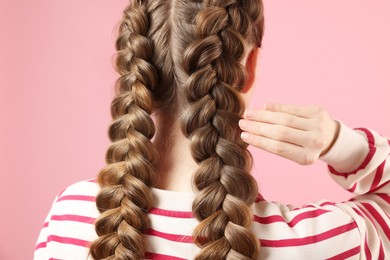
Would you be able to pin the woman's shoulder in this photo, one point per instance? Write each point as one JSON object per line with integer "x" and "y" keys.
{"x": 77, "y": 199}
{"x": 81, "y": 189}
{"x": 69, "y": 226}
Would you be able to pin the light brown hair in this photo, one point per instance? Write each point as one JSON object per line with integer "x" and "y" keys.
{"x": 174, "y": 55}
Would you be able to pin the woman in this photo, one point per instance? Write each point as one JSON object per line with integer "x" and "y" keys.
{"x": 188, "y": 192}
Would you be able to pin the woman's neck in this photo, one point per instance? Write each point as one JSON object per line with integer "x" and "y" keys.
{"x": 176, "y": 165}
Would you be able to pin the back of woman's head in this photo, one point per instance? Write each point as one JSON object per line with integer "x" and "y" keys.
{"x": 183, "y": 58}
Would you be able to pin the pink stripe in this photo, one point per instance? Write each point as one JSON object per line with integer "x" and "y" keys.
{"x": 358, "y": 212}
{"x": 75, "y": 218}
{"x": 68, "y": 240}
{"x": 171, "y": 213}
{"x": 371, "y": 152}
{"x": 364, "y": 214}
{"x": 381, "y": 252}
{"x": 259, "y": 198}
{"x": 326, "y": 203}
{"x": 294, "y": 221}
{"x": 367, "y": 249}
{"x": 380, "y": 186}
{"x": 385, "y": 197}
{"x": 46, "y": 224}
{"x": 370, "y": 136}
{"x": 171, "y": 237}
{"x": 310, "y": 239}
{"x": 306, "y": 215}
{"x": 155, "y": 256}
{"x": 346, "y": 254}
{"x": 379, "y": 219}
{"x": 77, "y": 197}
{"x": 378, "y": 176}
{"x": 353, "y": 188}
{"x": 269, "y": 219}
{"x": 367, "y": 215}
{"x": 40, "y": 245}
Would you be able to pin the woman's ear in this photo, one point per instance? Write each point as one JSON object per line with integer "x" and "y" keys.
{"x": 250, "y": 66}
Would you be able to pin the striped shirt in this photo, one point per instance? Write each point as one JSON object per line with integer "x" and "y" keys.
{"x": 355, "y": 229}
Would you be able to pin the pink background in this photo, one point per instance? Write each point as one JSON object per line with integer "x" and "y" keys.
{"x": 56, "y": 80}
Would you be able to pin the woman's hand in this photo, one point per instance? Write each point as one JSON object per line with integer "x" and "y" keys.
{"x": 299, "y": 133}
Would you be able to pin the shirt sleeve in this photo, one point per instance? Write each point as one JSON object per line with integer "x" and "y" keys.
{"x": 68, "y": 228}
{"x": 355, "y": 229}
{"x": 360, "y": 163}
{"x": 41, "y": 250}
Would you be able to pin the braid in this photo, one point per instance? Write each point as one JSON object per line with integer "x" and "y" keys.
{"x": 152, "y": 67}
{"x": 125, "y": 196}
{"x": 226, "y": 189}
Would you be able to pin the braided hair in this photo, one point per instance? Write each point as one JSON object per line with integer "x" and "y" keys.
{"x": 226, "y": 190}
{"x": 189, "y": 61}
{"x": 125, "y": 196}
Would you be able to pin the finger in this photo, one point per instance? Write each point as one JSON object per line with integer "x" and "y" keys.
{"x": 289, "y": 151}
{"x": 278, "y": 118}
{"x": 275, "y": 132}
{"x": 301, "y": 111}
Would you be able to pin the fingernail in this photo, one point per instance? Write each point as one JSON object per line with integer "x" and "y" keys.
{"x": 244, "y": 136}
{"x": 242, "y": 123}
{"x": 249, "y": 113}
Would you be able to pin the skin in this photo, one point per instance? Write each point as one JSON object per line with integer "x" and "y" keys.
{"x": 299, "y": 133}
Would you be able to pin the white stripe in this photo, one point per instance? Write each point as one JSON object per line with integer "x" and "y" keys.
{"x": 173, "y": 225}
{"x": 68, "y": 228}
{"x": 76, "y": 207}
{"x": 321, "y": 250}
{"x": 171, "y": 248}
{"x": 67, "y": 252}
